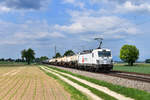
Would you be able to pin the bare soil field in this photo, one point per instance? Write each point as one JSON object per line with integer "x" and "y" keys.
{"x": 29, "y": 83}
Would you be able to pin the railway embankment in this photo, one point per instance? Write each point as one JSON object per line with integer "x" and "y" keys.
{"x": 115, "y": 91}
{"x": 110, "y": 79}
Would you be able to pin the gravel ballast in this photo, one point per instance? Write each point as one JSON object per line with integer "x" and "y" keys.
{"x": 111, "y": 79}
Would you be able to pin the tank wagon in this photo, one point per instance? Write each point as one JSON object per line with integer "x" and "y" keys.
{"x": 91, "y": 60}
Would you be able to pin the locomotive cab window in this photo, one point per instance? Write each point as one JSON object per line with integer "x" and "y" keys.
{"x": 104, "y": 53}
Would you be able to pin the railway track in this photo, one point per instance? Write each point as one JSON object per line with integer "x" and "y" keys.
{"x": 125, "y": 75}
{"x": 130, "y": 75}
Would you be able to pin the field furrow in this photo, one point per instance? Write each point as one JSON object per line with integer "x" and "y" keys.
{"x": 15, "y": 90}
{"x": 29, "y": 83}
{"x": 6, "y": 86}
{"x": 9, "y": 89}
{"x": 20, "y": 92}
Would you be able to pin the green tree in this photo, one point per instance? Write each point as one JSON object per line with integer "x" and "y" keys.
{"x": 43, "y": 58}
{"x": 23, "y": 54}
{"x": 57, "y": 55}
{"x": 69, "y": 53}
{"x": 147, "y": 61}
{"x": 129, "y": 54}
{"x": 29, "y": 55}
{"x": 37, "y": 60}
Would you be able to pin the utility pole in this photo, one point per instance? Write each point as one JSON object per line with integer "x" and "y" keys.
{"x": 55, "y": 50}
{"x": 100, "y": 42}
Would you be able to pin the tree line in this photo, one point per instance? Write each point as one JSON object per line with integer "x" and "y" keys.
{"x": 128, "y": 53}
{"x": 67, "y": 53}
{"x": 29, "y": 55}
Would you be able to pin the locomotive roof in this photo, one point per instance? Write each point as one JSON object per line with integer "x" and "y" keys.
{"x": 90, "y": 51}
{"x": 86, "y": 51}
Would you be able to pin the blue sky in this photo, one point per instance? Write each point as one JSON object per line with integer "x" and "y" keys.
{"x": 73, "y": 24}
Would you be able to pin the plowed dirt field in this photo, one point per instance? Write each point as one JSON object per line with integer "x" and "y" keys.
{"x": 29, "y": 83}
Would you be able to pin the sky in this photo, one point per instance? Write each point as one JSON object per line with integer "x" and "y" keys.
{"x": 73, "y": 24}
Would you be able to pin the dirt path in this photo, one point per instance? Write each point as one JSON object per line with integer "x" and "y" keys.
{"x": 30, "y": 83}
{"x": 100, "y": 88}
{"x": 80, "y": 88}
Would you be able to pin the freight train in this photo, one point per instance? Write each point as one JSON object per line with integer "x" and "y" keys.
{"x": 99, "y": 59}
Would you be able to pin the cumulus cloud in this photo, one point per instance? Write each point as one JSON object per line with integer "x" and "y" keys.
{"x": 117, "y": 1}
{"x": 122, "y": 6}
{"x": 94, "y": 26}
{"x": 27, "y": 32}
{"x": 9, "y": 5}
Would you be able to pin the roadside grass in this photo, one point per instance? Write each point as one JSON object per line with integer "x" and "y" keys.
{"x": 138, "y": 68}
{"x": 93, "y": 90}
{"x": 129, "y": 92}
{"x": 75, "y": 94}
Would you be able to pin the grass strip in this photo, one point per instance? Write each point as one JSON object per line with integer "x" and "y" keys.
{"x": 75, "y": 94}
{"x": 129, "y": 92}
{"x": 93, "y": 90}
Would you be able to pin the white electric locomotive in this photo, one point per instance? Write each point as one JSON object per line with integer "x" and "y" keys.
{"x": 98, "y": 59}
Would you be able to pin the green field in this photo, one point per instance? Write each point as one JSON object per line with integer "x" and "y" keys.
{"x": 13, "y": 64}
{"x": 138, "y": 68}
{"x": 8, "y": 62}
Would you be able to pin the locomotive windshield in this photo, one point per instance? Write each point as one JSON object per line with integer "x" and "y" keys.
{"x": 104, "y": 53}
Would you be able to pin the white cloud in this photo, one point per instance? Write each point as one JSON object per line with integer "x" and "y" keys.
{"x": 83, "y": 24}
{"x": 121, "y": 6}
{"x": 116, "y": 1}
{"x": 4, "y": 9}
{"x": 76, "y": 3}
{"x": 29, "y": 31}
{"x": 57, "y": 35}
{"x": 87, "y": 26}
{"x": 69, "y": 1}
{"x": 130, "y": 7}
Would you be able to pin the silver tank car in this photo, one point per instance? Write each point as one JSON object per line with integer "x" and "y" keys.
{"x": 91, "y": 60}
